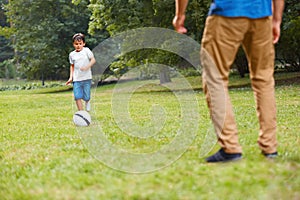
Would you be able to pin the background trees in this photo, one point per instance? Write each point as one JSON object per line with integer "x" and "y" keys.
{"x": 288, "y": 48}
{"x": 6, "y": 51}
{"x": 40, "y": 32}
{"x": 115, "y": 16}
{"x": 37, "y": 33}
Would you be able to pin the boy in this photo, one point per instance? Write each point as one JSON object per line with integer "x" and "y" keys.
{"x": 81, "y": 60}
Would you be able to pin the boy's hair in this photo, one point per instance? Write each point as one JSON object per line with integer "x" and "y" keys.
{"x": 78, "y": 37}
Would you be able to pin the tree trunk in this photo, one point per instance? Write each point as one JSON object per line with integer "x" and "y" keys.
{"x": 164, "y": 75}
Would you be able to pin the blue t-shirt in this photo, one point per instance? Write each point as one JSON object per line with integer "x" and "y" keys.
{"x": 253, "y": 9}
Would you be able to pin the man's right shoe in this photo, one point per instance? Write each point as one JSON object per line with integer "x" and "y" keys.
{"x": 271, "y": 155}
{"x": 222, "y": 156}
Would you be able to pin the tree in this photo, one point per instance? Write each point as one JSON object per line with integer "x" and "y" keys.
{"x": 288, "y": 48}
{"x": 42, "y": 32}
{"x": 115, "y": 16}
{"x": 6, "y": 51}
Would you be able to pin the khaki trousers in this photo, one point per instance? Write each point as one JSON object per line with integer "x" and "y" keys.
{"x": 221, "y": 40}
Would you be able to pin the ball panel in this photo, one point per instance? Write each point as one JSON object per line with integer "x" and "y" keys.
{"x": 82, "y": 118}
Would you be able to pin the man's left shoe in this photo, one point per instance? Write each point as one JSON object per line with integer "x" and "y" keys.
{"x": 222, "y": 156}
{"x": 271, "y": 155}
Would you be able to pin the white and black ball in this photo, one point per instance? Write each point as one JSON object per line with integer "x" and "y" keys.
{"x": 82, "y": 118}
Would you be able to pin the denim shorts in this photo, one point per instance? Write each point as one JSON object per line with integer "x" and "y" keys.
{"x": 82, "y": 89}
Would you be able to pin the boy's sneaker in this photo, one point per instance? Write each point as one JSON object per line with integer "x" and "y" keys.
{"x": 271, "y": 155}
{"x": 222, "y": 156}
{"x": 88, "y": 106}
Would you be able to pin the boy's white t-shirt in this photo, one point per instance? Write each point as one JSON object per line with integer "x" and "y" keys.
{"x": 81, "y": 59}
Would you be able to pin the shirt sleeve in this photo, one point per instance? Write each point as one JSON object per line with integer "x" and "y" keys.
{"x": 70, "y": 59}
{"x": 89, "y": 53}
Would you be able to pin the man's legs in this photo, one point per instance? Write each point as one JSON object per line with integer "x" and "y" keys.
{"x": 258, "y": 45}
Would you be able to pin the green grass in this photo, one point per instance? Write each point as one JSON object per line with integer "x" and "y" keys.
{"x": 42, "y": 155}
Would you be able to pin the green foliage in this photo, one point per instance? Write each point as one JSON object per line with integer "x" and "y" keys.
{"x": 8, "y": 69}
{"x": 6, "y": 50}
{"x": 121, "y": 15}
{"x": 163, "y": 13}
{"x": 289, "y": 45}
{"x": 43, "y": 41}
{"x": 195, "y": 17}
{"x": 32, "y": 86}
{"x": 115, "y": 16}
{"x": 7, "y": 32}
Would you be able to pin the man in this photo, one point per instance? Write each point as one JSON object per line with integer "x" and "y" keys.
{"x": 256, "y": 26}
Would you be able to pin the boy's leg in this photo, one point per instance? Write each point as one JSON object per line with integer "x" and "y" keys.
{"x": 78, "y": 94}
{"x": 79, "y": 104}
{"x": 217, "y": 55}
{"x": 87, "y": 94}
{"x": 259, "y": 48}
{"x": 88, "y": 106}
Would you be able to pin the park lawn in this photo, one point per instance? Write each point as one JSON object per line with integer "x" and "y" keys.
{"x": 44, "y": 156}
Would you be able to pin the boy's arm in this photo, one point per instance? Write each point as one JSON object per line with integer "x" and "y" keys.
{"x": 278, "y": 6}
{"x": 92, "y": 62}
{"x": 178, "y": 21}
{"x": 71, "y": 74}
{"x": 90, "y": 65}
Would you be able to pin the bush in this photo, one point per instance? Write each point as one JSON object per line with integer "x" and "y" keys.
{"x": 30, "y": 86}
{"x": 7, "y": 69}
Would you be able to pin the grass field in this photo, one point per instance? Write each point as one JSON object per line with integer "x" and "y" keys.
{"x": 44, "y": 156}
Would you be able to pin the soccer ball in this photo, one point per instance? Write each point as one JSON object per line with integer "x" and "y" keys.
{"x": 82, "y": 118}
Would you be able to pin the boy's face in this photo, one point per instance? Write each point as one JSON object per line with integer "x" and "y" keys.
{"x": 78, "y": 45}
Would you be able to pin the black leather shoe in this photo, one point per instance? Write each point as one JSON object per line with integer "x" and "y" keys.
{"x": 271, "y": 155}
{"x": 222, "y": 156}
